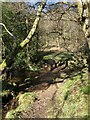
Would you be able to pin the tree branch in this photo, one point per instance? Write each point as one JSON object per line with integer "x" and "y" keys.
{"x": 7, "y": 30}
{"x": 10, "y": 58}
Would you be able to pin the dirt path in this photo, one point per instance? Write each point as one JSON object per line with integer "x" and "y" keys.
{"x": 39, "y": 108}
{"x": 45, "y": 86}
{"x": 45, "y": 97}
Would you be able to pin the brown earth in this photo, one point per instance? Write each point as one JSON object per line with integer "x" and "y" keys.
{"x": 45, "y": 96}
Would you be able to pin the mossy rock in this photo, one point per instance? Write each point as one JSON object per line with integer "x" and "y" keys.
{"x": 12, "y": 114}
{"x": 70, "y": 101}
{"x": 26, "y": 98}
{"x": 25, "y": 101}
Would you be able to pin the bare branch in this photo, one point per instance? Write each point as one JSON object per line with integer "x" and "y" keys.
{"x": 10, "y": 58}
{"x": 7, "y": 30}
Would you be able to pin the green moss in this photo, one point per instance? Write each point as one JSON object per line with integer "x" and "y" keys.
{"x": 61, "y": 56}
{"x": 75, "y": 105}
{"x": 26, "y": 98}
{"x": 77, "y": 77}
{"x": 3, "y": 65}
{"x": 70, "y": 101}
{"x": 47, "y": 57}
{"x": 85, "y": 89}
{"x": 69, "y": 83}
{"x": 25, "y": 101}
{"x": 4, "y": 93}
{"x": 66, "y": 94}
{"x": 12, "y": 114}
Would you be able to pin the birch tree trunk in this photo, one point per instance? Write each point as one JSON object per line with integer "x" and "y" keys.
{"x": 84, "y": 12}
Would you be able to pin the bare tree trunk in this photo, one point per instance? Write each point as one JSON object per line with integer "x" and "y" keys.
{"x": 84, "y": 11}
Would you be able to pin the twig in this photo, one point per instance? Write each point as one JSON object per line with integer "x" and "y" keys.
{"x": 7, "y": 30}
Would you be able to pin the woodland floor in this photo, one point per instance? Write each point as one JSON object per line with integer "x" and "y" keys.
{"x": 46, "y": 89}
